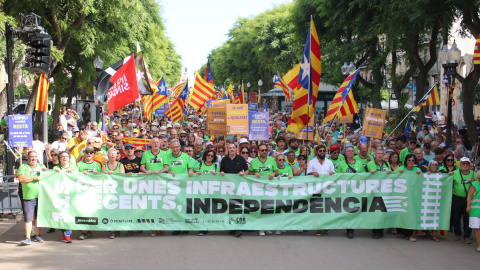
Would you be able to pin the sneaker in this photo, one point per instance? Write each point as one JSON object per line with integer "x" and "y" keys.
{"x": 261, "y": 233}
{"x": 39, "y": 239}
{"x": 68, "y": 239}
{"x": 51, "y": 230}
{"x": 26, "y": 242}
{"x": 269, "y": 232}
{"x": 325, "y": 231}
{"x": 238, "y": 234}
{"x": 478, "y": 249}
{"x": 468, "y": 241}
{"x": 456, "y": 238}
{"x": 319, "y": 233}
{"x": 278, "y": 232}
{"x": 63, "y": 237}
{"x": 82, "y": 237}
{"x": 203, "y": 233}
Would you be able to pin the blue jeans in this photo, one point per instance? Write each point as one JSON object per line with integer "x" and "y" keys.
{"x": 67, "y": 232}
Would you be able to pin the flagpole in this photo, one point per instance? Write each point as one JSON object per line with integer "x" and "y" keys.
{"x": 393, "y": 131}
{"x": 309, "y": 79}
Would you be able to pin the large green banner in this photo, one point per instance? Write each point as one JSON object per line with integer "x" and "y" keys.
{"x": 215, "y": 202}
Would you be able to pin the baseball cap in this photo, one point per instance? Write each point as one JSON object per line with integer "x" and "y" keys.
{"x": 208, "y": 143}
{"x": 75, "y": 129}
{"x": 129, "y": 145}
{"x": 363, "y": 140}
{"x": 465, "y": 159}
{"x": 136, "y": 130}
{"x": 243, "y": 140}
{"x": 169, "y": 125}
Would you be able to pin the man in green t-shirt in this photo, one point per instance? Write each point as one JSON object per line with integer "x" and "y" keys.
{"x": 363, "y": 156}
{"x": 412, "y": 144}
{"x": 263, "y": 165}
{"x": 462, "y": 180}
{"x": 88, "y": 164}
{"x": 350, "y": 165}
{"x": 29, "y": 175}
{"x": 154, "y": 161}
{"x": 336, "y": 158}
{"x": 378, "y": 164}
{"x": 178, "y": 162}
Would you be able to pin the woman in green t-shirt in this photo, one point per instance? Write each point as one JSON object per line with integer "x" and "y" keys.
{"x": 283, "y": 171}
{"x": 208, "y": 163}
{"x": 410, "y": 167}
{"x": 66, "y": 166}
{"x": 113, "y": 166}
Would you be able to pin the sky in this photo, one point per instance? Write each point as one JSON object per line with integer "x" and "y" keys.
{"x": 196, "y": 27}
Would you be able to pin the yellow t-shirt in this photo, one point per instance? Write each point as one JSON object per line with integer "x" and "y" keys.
{"x": 76, "y": 150}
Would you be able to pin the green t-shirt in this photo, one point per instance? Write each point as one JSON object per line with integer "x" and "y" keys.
{"x": 3, "y": 122}
{"x": 153, "y": 162}
{"x": 264, "y": 168}
{"x": 180, "y": 164}
{"x": 89, "y": 167}
{"x": 193, "y": 162}
{"x": 285, "y": 172}
{"x": 30, "y": 189}
{"x": 337, "y": 162}
{"x": 71, "y": 166}
{"x": 201, "y": 167}
{"x": 361, "y": 160}
{"x": 355, "y": 167}
{"x": 460, "y": 185}
{"x": 383, "y": 167}
{"x": 415, "y": 169}
{"x": 405, "y": 151}
{"x": 116, "y": 170}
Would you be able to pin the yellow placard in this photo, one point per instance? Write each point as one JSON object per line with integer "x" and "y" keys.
{"x": 347, "y": 119}
{"x": 302, "y": 135}
{"x": 237, "y": 119}
{"x": 222, "y": 103}
{"x": 373, "y": 123}
{"x": 216, "y": 121}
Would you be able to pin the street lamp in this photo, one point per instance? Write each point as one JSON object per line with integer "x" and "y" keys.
{"x": 347, "y": 69}
{"x": 98, "y": 64}
{"x": 260, "y": 83}
{"x": 248, "y": 94}
{"x": 449, "y": 59}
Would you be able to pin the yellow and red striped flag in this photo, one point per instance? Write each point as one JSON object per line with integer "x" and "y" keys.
{"x": 160, "y": 96}
{"x": 178, "y": 89}
{"x": 201, "y": 93}
{"x": 240, "y": 99}
{"x": 476, "y": 52}
{"x": 147, "y": 106}
{"x": 137, "y": 142}
{"x": 430, "y": 98}
{"x": 291, "y": 78}
{"x": 230, "y": 92}
{"x": 303, "y": 105}
{"x": 42, "y": 94}
{"x": 279, "y": 83}
{"x": 343, "y": 103}
{"x": 175, "y": 111}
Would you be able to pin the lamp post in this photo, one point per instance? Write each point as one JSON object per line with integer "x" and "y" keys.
{"x": 248, "y": 94}
{"x": 98, "y": 64}
{"x": 260, "y": 83}
{"x": 450, "y": 59}
{"x": 347, "y": 69}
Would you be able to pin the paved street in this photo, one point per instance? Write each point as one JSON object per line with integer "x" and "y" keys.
{"x": 221, "y": 251}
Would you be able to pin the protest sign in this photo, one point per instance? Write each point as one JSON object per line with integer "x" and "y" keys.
{"x": 237, "y": 119}
{"x": 253, "y": 107}
{"x": 347, "y": 119}
{"x": 222, "y": 103}
{"x": 302, "y": 135}
{"x": 258, "y": 126}
{"x": 20, "y": 130}
{"x": 213, "y": 202}
{"x": 160, "y": 112}
{"x": 216, "y": 121}
{"x": 373, "y": 123}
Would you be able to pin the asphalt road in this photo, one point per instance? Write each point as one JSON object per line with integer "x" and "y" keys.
{"x": 221, "y": 251}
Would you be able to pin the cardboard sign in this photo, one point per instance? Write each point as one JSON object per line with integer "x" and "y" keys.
{"x": 348, "y": 119}
{"x": 237, "y": 119}
{"x": 253, "y": 107}
{"x": 216, "y": 122}
{"x": 20, "y": 130}
{"x": 222, "y": 103}
{"x": 373, "y": 123}
{"x": 302, "y": 135}
{"x": 160, "y": 112}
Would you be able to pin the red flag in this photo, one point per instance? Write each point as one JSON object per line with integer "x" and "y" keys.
{"x": 124, "y": 89}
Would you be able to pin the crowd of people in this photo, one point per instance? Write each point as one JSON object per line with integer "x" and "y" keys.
{"x": 186, "y": 148}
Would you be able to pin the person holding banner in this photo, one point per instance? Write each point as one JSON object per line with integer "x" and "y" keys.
{"x": 66, "y": 166}
{"x": 113, "y": 166}
{"x": 29, "y": 175}
{"x": 473, "y": 208}
{"x": 409, "y": 166}
{"x": 178, "y": 162}
{"x": 153, "y": 161}
{"x": 301, "y": 168}
{"x": 263, "y": 165}
{"x": 335, "y": 157}
{"x": 283, "y": 170}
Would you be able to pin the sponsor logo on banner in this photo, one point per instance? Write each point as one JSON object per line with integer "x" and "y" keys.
{"x": 86, "y": 220}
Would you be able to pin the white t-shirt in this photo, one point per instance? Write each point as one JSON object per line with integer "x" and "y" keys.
{"x": 63, "y": 123}
{"x": 39, "y": 148}
{"x": 60, "y": 146}
{"x": 325, "y": 168}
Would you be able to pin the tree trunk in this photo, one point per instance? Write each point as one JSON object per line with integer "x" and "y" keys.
{"x": 32, "y": 100}
{"x": 468, "y": 86}
{"x": 421, "y": 81}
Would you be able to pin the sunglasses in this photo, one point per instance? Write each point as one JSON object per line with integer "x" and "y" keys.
{"x": 410, "y": 160}
{"x": 281, "y": 159}
{"x": 413, "y": 142}
{"x": 63, "y": 138}
{"x": 335, "y": 152}
{"x": 138, "y": 151}
{"x": 118, "y": 140}
{"x": 76, "y": 131}
{"x": 322, "y": 151}
{"x": 300, "y": 159}
{"x": 263, "y": 150}
{"x": 129, "y": 148}
{"x": 254, "y": 151}
{"x": 449, "y": 159}
{"x": 89, "y": 152}
{"x": 210, "y": 155}
{"x": 244, "y": 152}
{"x": 188, "y": 151}
{"x": 54, "y": 155}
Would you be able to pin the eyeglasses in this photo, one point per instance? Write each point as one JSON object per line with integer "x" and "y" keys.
{"x": 322, "y": 151}
{"x": 89, "y": 152}
{"x": 410, "y": 160}
{"x": 63, "y": 156}
{"x": 63, "y": 138}
{"x": 210, "y": 155}
{"x": 434, "y": 165}
{"x": 118, "y": 140}
{"x": 449, "y": 159}
{"x": 244, "y": 152}
{"x": 262, "y": 150}
{"x": 413, "y": 142}
{"x": 188, "y": 151}
{"x": 54, "y": 155}
{"x": 335, "y": 152}
{"x": 300, "y": 159}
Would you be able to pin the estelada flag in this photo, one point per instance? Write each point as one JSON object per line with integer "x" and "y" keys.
{"x": 476, "y": 52}
{"x": 124, "y": 89}
{"x": 42, "y": 94}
